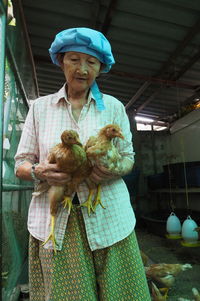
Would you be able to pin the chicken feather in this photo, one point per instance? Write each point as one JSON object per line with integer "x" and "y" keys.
{"x": 70, "y": 157}
{"x": 165, "y": 273}
{"x": 101, "y": 150}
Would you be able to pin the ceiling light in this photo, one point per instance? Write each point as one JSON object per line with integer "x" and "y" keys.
{"x": 143, "y": 119}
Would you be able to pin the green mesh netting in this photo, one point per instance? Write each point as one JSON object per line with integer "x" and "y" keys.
{"x": 16, "y": 194}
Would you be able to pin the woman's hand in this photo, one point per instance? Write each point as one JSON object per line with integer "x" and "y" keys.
{"x": 43, "y": 171}
{"x": 51, "y": 173}
{"x": 101, "y": 174}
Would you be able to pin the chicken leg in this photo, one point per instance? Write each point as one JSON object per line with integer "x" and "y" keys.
{"x": 56, "y": 195}
{"x": 159, "y": 294}
{"x": 88, "y": 202}
{"x": 92, "y": 205}
{"x": 97, "y": 200}
{"x": 52, "y": 235}
{"x": 67, "y": 202}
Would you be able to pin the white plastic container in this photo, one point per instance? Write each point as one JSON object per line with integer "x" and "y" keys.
{"x": 190, "y": 236}
{"x": 173, "y": 226}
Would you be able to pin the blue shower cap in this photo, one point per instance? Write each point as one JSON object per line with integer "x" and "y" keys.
{"x": 84, "y": 40}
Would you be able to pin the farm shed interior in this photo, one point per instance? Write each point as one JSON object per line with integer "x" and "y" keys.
{"x": 156, "y": 77}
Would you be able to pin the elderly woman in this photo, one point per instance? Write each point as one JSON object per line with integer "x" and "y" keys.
{"x": 97, "y": 256}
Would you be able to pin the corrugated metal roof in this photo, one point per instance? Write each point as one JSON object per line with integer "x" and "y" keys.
{"x": 156, "y": 45}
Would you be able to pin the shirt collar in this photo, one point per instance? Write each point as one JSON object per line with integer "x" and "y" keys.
{"x": 62, "y": 94}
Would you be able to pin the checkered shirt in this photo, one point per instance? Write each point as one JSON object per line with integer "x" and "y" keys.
{"x": 47, "y": 118}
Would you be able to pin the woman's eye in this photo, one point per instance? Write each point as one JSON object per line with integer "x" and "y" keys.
{"x": 91, "y": 62}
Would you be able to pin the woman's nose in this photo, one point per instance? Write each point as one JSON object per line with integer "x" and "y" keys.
{"x": 83, "y": 68}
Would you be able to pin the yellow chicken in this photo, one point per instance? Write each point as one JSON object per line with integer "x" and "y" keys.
{"x": 70, "y": 157}
{"x": 100, "y": 149}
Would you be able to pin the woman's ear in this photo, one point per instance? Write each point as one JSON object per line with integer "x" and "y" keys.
{"x": 60, "y": 57}
{"x": 101, "y": 68}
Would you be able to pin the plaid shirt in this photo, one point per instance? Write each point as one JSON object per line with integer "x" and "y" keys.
{"x": 48, "y": 117}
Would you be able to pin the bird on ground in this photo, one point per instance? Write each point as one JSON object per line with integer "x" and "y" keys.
{"x": 101, "y": 150}
{"x": 165, "y": 273}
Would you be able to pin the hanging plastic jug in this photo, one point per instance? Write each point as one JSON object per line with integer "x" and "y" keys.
{"x": 190, "y": 236}
{"x": 173, "y": 226}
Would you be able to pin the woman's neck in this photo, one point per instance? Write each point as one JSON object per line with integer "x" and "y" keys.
{"x": 77, "y": 100}
{"x": 77, "y": 97}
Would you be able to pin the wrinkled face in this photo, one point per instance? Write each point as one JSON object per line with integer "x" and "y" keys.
{"x": 80, "y": 70}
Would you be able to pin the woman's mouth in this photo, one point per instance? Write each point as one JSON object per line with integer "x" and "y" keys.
{"x": 81, "y": 79}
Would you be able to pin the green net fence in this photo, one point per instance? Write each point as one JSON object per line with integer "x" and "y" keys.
{"x": 16, "y": 194}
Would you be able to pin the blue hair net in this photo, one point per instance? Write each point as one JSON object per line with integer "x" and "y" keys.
{"x": 84, "y": 40}
{"x": 89, "y": 41}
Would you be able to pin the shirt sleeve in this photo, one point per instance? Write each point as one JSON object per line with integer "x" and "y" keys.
{"x": 125, "y": 146}
{"x": 28, "y": 149}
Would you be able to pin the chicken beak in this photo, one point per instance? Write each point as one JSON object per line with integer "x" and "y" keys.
{"x": 120, "y": 135}
{"x": 78, "y": 142}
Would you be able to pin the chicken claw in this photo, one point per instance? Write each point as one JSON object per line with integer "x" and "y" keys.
{"x": 67, "y": 202}
{"x": 88, "y": 202}
{"x": 160, "y": 294}
{"x": 98, "y": 199}
{"x": 52, "y": 235}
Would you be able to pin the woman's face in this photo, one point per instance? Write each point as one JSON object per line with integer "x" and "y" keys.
{"x": 80, "y": 70}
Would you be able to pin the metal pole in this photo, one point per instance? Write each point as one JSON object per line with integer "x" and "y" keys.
{"x": 3, "y": 19}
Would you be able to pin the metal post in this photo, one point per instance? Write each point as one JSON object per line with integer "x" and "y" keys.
{"x": 3, "y": 10}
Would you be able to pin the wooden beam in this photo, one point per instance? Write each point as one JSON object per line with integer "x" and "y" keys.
{"x": 108, "y": 17}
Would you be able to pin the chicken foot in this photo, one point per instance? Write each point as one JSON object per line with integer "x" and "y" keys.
{"x": 52, "y": 235}
{"x": 91, "y": 205}
{"x": 67, "y": 202}
{"x": 88, "y": 202}
{"x": 97, "y": 200}
{"x": 159, "y": 294}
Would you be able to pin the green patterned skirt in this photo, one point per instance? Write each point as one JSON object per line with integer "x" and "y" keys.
{"x": 76, "y": 273}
